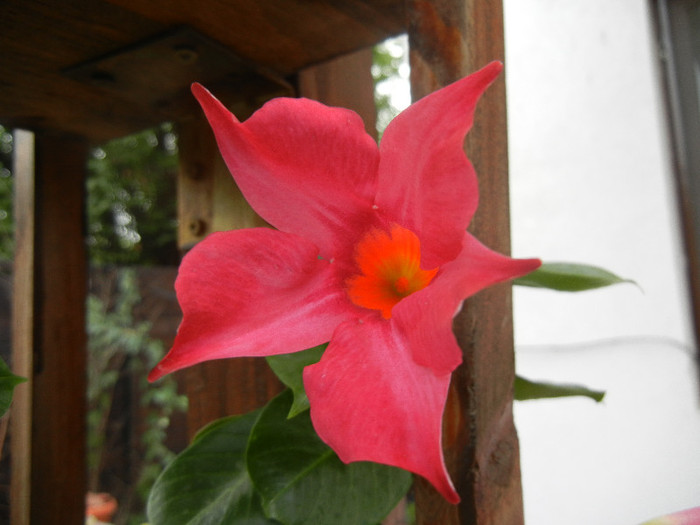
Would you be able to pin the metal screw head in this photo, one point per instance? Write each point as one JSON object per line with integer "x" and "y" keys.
{"x": 186, "y": 55}
{"x": 197, "y": 227}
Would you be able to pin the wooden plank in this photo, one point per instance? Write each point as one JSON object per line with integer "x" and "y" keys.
{"x": 48, "y": 419}
{"x": 22, "y": 325}
{"x": 41, "y": 39}
{"x": 449, "y": 39}
{"x": 209, "y": 201}
{"x": 44, "y": 40}
{"x": 208, "y": 198}
{"x": 347, "y": 82}
{"x": 285, "y": 35}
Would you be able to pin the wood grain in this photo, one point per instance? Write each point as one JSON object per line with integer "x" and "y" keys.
{"x": 48, "y": 418}
{"x": 345, "y": 82}
{"x": 44, "y": 41}
{"x": 209, "y": 199}
{"x": 449, "y": 39}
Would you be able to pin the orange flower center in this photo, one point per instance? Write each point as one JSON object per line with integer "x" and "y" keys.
{"x": 389, "y": 269}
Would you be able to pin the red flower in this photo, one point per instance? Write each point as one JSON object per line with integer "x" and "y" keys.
{"x": 370, "y": 253}
{"x": 684, "y": 517}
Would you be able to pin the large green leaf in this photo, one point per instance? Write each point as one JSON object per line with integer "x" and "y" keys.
{"x": 290, "y": 367}
{"x": 208, "y": 484}
{"x": 526, "y": 389}
{"x": 8, "y": 382}
{"x": 570, "y": 277}
{"x": 301, "y": 480}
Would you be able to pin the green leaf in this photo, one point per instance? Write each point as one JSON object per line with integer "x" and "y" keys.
{"x": 8, "y": 382}
{"x": 526, "y": 389}
{"x": 208, "y": 484}
{"x": 570, "y": 277}
{"x": 289, "y": 368}
{"x": 301, "y": 480}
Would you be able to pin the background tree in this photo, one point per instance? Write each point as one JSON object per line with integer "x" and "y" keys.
{"x": 6, "y": 222}
{"x": 131, "y": 201}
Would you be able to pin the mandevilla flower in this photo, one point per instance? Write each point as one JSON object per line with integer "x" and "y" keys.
{"x": 684, "y": 517}
{"x": 370, "y": 252}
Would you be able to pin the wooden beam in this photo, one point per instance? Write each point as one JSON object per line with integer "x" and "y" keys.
{"x": 48, "y": 415}
{"x": 46, "y": 43}
{"x": 449, "y": 39}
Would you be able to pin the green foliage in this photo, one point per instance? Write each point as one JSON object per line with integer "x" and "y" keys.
{"x": 563, "y": 277}
{"x": 525, "y": 389}
{"x": 8, "y": 382}
{"x": 117, "y": 342}
{"x": 570, "y": 277}
{"x": 289, "y": 368}
{"x": 6, "y": 221}
{"x": 208, "y": 483}
{"x": 386, "y": 68}
{"x": 130, "y": 199}
{"x": 301, "y": 480}
{"x": 131, "y": 219}
{"x": 264, "y": 468}
{"x": 131, "y": 206}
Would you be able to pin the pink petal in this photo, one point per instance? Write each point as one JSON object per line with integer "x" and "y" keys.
{"x": 371, "y": 402}
{"x": 476, "y": 267}
{"x": 684, "y": 517}
{"x": 426, "y": 182}
{"x": 304, "y": 167}
{"x": 253, "y": 292}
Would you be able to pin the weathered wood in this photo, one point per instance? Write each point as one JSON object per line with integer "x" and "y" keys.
{"x": 345, "y": 82}
{"x": 677, "y": 55}
{"x": 449, "y": 39}
{"x": 44, "y": 41}
{"x": 48, "y": 416}
{"x": 283, "y": 35}
{"x": 209, "y": 201}
{"x": 22, "y": 325}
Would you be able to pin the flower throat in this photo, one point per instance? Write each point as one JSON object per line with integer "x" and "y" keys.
{"x": 389, "y": 269}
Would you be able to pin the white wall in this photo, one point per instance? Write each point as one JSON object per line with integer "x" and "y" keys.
{"x": 590, "y": 183}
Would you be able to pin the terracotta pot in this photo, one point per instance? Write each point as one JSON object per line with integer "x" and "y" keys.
{"x": 100, "y": 505}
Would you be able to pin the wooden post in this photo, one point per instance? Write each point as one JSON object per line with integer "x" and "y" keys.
{"x": 347, "y": 82}
{"x": 209, "y": 201}
{"x": 677, "y": 57}
{"x": 48, "y": 414}
{"x": 449, "y": 39}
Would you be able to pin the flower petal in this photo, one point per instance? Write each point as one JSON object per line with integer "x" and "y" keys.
{"x": 475, "y": 268}
{"x": 304, "y": 167}
{"x": 253, "y": 292}
{"x": 426, "y": 182}
{"x": 371, "y": 402}
{"x": 685, "y": 517}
